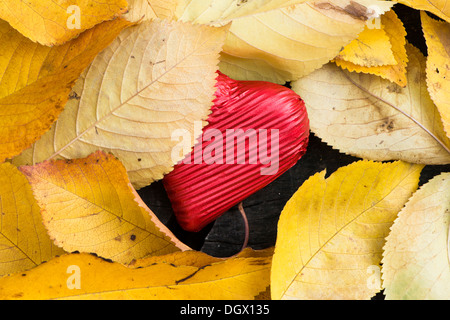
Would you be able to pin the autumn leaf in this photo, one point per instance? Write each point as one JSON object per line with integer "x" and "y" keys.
{"x": 24, "y": 242}
{"x": 143, "y": 10}
{"x": 437, "y": 7}
{"x": 234, "y": 278}
{"x": 50, "y": 22}
{"x": 224, "y": 11}
{"x": 416, "y": 261}
{"x": 332, "y": 230}
{"x": 88, "y": 205}
{"x": 374, "y": 48}
{"x": 196, "y": 258}
{"x": 286, "y": 43}
{"x": 437, "y": 35}
{"x": 35, "y": 81}
{"x": 372, "y": 118}
{"x": 156, "y": 77}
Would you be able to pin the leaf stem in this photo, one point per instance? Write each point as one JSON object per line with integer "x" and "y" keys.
{"x": 244, "y": 216}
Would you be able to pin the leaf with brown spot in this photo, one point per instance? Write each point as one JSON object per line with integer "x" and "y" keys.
{"x": 374, "y": 51}
{"x": 372, "y": 118}
{"x": 437, "y": 35}
{"x": 89, "y": 205}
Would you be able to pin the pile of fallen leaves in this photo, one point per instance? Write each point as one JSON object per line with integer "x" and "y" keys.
{"x": 91, "y": 92}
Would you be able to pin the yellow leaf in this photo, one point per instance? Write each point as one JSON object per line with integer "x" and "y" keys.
{"x": 51, "y": 22}
{"x": 372, "y": 48}
{"x": 235, "y": 278}
{"x": 222, "y": 12}
{"x": 288, "y": 42}
{"x": 396, "y": 33}
{"x": 24, "y": 242}
{"x": 372, "y": 118}
{"x": 331, "y": 232}
{"x": 88, "y": 205}
{"x": 437, "y": 7}
{"x": 416, "y": 261}
{"x": 143, "y": 10}
{"x": 195, "y": 258}
{"x": 437, "y": 35}
{"x": 155, "y": 78}
{"x": 35, "y": 81}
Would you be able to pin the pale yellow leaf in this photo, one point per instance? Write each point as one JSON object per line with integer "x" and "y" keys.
{"x": 89, "y": 206}
{"x": 235, "y": 278}
{"x": 437, "y": 35}
{"x": 155, "y": 78}
{"x": 416, "y": 263}
{"x": 289, "y": 42}
{"x": 142, "y": 10}
{"x": 53, "y": 22}
{"x": 372, "y": 118}
{"x": 24, "y": 242}
{"x": 223, "y": 11}
{"x": 195, "y": 258}
{"x": 331, "y": 232}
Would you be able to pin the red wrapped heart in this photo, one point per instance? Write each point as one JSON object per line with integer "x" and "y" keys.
{"x": 256, "y": 131}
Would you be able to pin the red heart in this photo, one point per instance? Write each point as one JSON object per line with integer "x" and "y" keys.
{"x": 221, "y": 171}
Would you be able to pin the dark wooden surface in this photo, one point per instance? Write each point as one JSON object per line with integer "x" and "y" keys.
{"x": 225, "y": 236}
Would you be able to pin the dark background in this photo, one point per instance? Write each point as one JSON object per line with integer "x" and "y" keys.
{"x": 225, "y": 236}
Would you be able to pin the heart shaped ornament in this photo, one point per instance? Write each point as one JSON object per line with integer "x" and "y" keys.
{"x": 256, "y": 131}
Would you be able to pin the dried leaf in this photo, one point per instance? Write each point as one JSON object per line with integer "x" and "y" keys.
{"x": 235, "y": 278}
{"x": 196, "y": 258}
{"x": 24, "y": 242}
{"x": 287, "y": 43}
{"x": 437, "y": 35}
{"x": 35, "y": 81}
{"x": 372, "y": 48}
{"x": 89, "y": 206}
{"x": 396, "y": 33}
{"x": 143, "y": 10}
{"x": 372, "y": 118}
{"x": 332, "y": 230}
{"x": 156, "y": 77}
{"x": 222, "y": 12}
{"x": 50, "y": 22}
{"x": 416, "y": 261}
